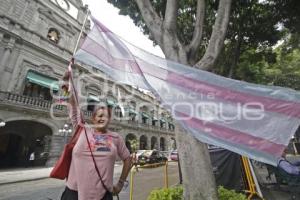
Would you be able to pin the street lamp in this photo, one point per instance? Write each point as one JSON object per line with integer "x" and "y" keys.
{"x": 66, "y": 130}
{"x": 2, "y": 123}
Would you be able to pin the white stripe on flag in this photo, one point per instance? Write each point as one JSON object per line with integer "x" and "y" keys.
{"x": 263, "y": 139}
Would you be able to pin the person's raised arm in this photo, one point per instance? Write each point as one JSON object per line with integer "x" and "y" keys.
{"x": 73, "y": 107}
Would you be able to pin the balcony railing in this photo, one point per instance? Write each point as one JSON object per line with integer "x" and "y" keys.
{"x": 44, "y": 105}
{"x": 25, "y": 100}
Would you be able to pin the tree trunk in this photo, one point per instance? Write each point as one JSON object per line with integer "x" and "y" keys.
{"x": 198, "y": 179}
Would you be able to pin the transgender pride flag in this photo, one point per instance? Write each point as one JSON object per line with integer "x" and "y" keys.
{"x": 253, "y": 120}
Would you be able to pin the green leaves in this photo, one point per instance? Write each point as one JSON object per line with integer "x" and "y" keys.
{"x": 134, "y": 144}
{"x": 225, "y": 194}
{"x": 176, "y": 193}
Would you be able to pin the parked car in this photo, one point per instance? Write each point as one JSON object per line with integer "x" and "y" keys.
{"x": 150, "y": 157}
{"x": 174, "y": 155}
{"x": 140, "y": 152}
{"x": 136, "y": 155}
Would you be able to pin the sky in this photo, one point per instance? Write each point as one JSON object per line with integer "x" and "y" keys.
{"x": 121, "y": 25}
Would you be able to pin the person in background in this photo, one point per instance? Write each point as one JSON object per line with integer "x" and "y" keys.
{"x": 135, "y": 160}
{"x": 289, "y": 167}
{"x": 31, "y": 159}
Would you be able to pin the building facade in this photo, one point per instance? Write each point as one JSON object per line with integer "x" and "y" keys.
{"x": 37, "y": 40}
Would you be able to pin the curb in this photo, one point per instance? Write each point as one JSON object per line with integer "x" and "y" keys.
{"x": 24, "y": 180}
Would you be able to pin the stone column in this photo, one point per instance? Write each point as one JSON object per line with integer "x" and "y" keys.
{"x": 1, "y": 47}
{"x": 4, "y": 64}
{"x": 158, "y": 143}
{"x": 57, "y": 144}
{"x": 149, "y": 142}
{"x": 5, "y": 57}
{"x": 170, "y": 143}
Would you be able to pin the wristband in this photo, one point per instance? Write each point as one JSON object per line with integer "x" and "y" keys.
{"x": 121, "y": 181}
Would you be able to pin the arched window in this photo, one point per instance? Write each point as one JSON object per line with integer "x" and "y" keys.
{"x": 143, "y": 142}
{"x": 162, "y": 144}
{"x": 53, "y": 35}
{"x": 154, "y": 143}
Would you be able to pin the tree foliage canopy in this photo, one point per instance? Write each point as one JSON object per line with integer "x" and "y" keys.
{"x": 253, "y": 30}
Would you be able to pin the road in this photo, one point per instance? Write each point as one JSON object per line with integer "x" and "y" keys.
{"x": 145, "y": 180}
{"x": 44, "y": 189}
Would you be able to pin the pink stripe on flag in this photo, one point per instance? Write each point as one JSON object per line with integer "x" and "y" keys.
{"x": 287, "y": 108}
{"x": 93, "y": 48}
{"x": 273, "y": 105}
{"x": 233, "y": 136}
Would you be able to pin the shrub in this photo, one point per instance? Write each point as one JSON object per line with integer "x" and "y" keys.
{"x": 176, "y": 193}
{"x": 225, "y": 194}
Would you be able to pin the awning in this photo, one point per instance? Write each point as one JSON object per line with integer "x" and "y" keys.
{"x": 154, "y": 119}
{"x": 42, "y": 80}
{"x": 93, "y": 98}
{"x": 170, "y": 121}
{"x": 110, "y": 103}
{"x": 162, "y": 120}
{"x": 131, "y": 111}
{"x": 144, "y": 115}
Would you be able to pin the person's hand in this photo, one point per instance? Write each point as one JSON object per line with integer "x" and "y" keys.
{"x": 117, "y": 188}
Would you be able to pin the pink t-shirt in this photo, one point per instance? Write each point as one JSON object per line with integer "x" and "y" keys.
{"x": 82, "y": 175}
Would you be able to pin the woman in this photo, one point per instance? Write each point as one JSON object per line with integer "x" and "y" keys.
{"x": 83, "y": 182}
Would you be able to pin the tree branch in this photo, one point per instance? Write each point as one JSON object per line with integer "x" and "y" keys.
{"x": 152, "y": 20}
{"x": 197, "y": 35}
{"x": 172, "y": 47}
{"x": 216, "y": 41}
{"x": 171, "y": 15}
{"x": 165, "y": 37}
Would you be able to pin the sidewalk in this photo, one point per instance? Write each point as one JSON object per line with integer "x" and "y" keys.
{"x": 23, "y": 174}
{"x": 28, "y": 174}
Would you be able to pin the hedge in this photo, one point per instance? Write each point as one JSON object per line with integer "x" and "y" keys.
{"x": 176, "y": 193}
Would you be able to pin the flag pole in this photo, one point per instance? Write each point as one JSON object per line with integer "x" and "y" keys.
{"x": 71, "y": 81}
{"x": 81, "y": 31}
